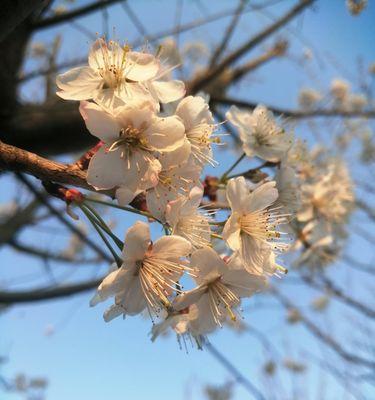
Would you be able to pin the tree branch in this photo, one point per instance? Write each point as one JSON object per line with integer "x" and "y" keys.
{"x": 15, "y": 159}
{"x": 295, "y": 114}
{"x": 68, "y": 16}
{"x": 211, "y": 74}
{"x": 17, "y": 297}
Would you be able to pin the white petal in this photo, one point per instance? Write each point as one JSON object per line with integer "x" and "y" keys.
{"x": 137, "y": 241}
{"x": 176, "y": 157}
{"x": 106, "y": 169}
{"x": 208, "y": 264}
{"x": 168, "y": 91}
{"x": 110, "y": 285}
{"x": 188, "y": 298}
{"x": 205, "y": 322}
{"x": 232, "y": 232}
{"x": 125, "y": 195}
{"x": 141, "y": 66}
{"x": 100, "y": 123}
{"x": 240, "y": 119}
{"x": 132, "y": 299}
{"x": 238, "y": 194}
{"x": 113, "y": 312}
{"x": 193, "y": 111}
{"x": 171, "y": 247}
{"x": 81, "y": 83}
{"x": 242, "y": 283}
{"x": 263, "y": 196}
{"x": 166, "y": 134}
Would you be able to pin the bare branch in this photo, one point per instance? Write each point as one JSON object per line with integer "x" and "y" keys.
{"x": 296, "y": 114}
{"x": 49, "y": 255}
{"x": 68, "y": 16}
{"x": 221, "y": 47}
{"x": 48, "y": 293}
{"x": 213, "y": 73}
{"x": 322, "y": 336}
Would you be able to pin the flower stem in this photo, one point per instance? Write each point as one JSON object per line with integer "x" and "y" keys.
{"x": 125, "y": 208}
{"x": 105, "y": 227}
{"x": 226, "y": 173}
{"x": 94, "y": 224}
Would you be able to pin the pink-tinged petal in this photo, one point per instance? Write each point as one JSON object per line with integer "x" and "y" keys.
{"x": 263, "y": 196}
{"x": 166, "y": 134}
{"x": 194, "y": 111}
{"x": 106, "y": 169}
{"x": 238, "y": 194}
{"x": 140, "y": 66}
{"x": 100, "y": 123}
{"x": 242, "y": 283}
{"x": 171, "y": 247}
{"x": 137, "y": 241}
{"x": 81, "y": 83}
{"x": 168, "y": 91}
{"x": 188, "y": 298}
{"x": 208, "y": 264}
{"x": 232, "y": 232}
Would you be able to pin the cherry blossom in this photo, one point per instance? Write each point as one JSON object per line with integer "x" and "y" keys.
{"x": 113, "y": 76}
{"x": 252, "y": 227}
{"x": 260, "y": 134}
{"x": 219, "y": 291}
{"x": 130, "y": 135}
{"x": 148, "y": 275}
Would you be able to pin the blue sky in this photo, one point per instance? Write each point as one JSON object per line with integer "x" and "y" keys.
{"x": 88, "y": 359}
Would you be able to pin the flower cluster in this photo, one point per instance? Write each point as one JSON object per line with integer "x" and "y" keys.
{"x": 156, "y": 152}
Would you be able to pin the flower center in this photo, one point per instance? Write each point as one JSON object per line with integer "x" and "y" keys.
{"x": 130, "y": 138}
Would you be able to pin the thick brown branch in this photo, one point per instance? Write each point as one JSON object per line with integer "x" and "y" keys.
{"x": 15, "y": 159}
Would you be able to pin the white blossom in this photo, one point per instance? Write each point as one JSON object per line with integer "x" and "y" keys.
{"x": 330, "y": 195}
{"x": 178, "y": 174}
{"x": 260, "y": 134}
{"x": 148, "y": 275}
{"x": 184, "y": 218}
{"x": 113, "y": 76}
{"x": 199, "y": 126}
{"x": 288, "y": 189}
{"x": 130, "y": 135}
{"x": 219, "y": 291}
{"x": 251, "y": 230}
{"x": 339, "y": 89}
